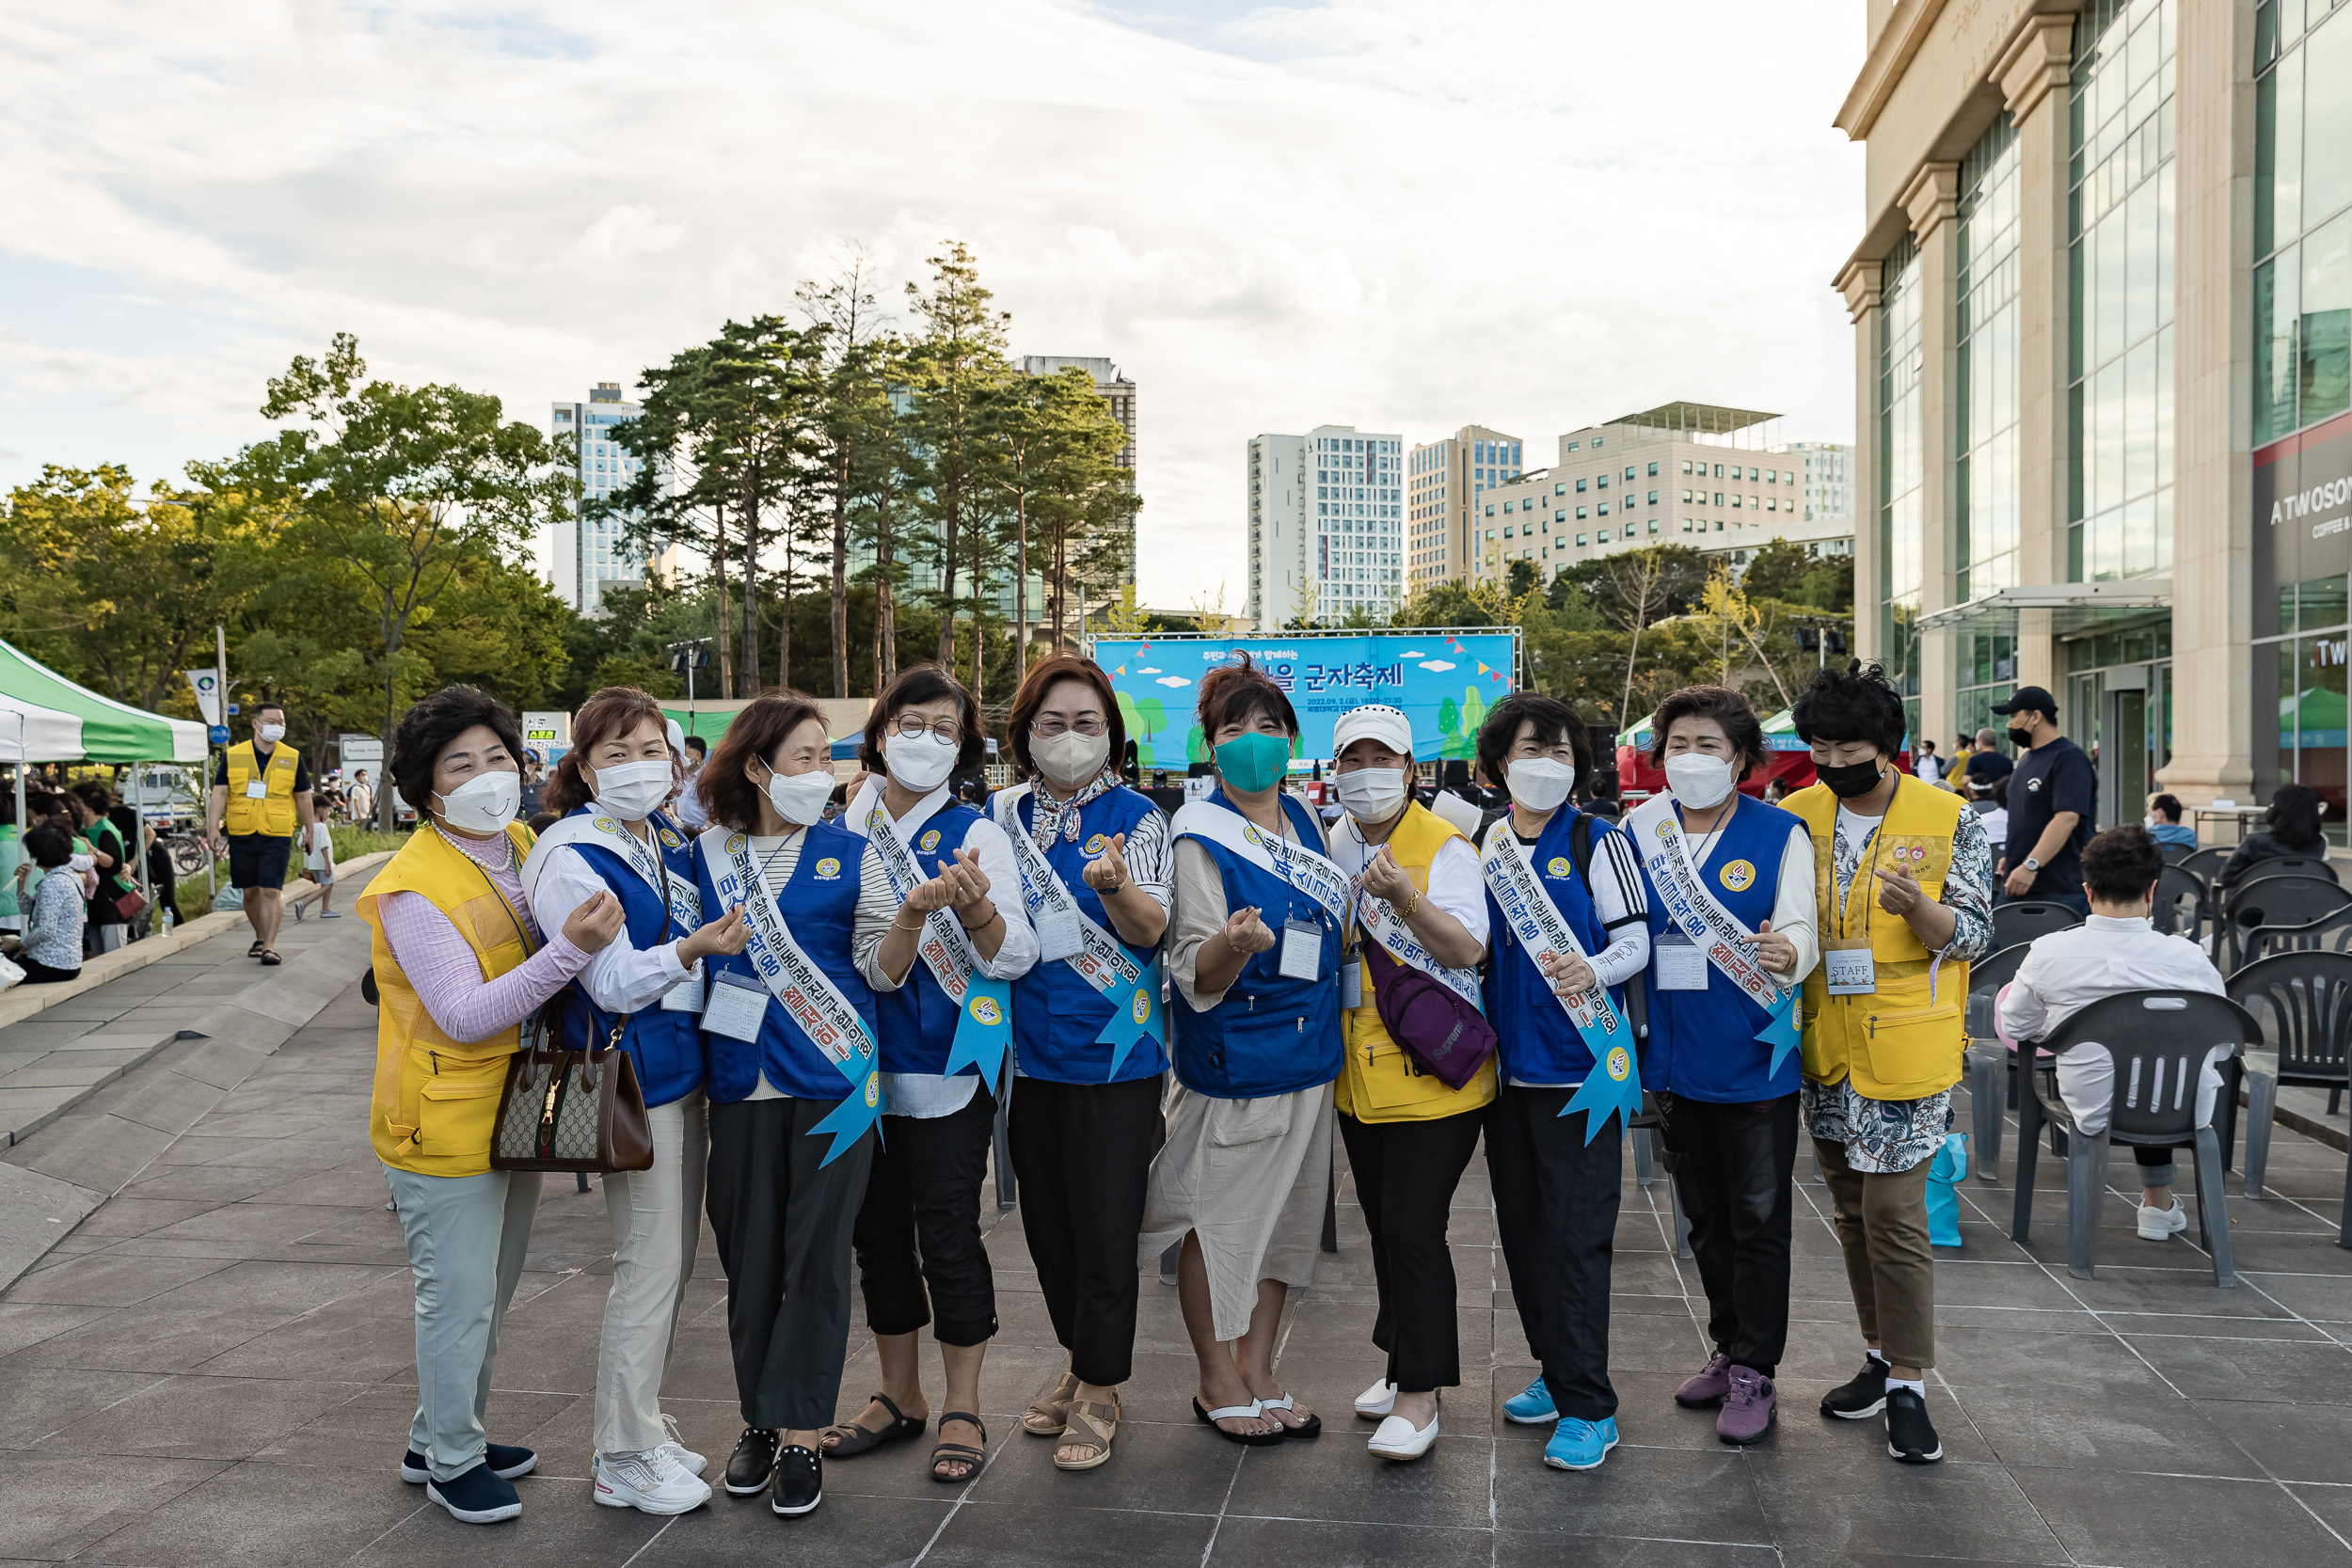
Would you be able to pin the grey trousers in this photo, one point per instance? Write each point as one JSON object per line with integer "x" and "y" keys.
{"x": 466, "y": 1237}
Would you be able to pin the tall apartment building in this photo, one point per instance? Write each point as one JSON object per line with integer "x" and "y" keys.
{"x": 1445, "y": 480}
{"x": 1326, "y": 526}
{"x": 2102, "y": 296}
{"x": 1687, "y": 473}
{"x": 587, "y": 556}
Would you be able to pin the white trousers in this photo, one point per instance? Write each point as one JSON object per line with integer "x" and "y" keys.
{"x": 657, "y": 1223}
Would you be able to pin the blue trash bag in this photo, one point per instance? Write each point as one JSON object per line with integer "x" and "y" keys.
{"x": 1945, "y": 1175}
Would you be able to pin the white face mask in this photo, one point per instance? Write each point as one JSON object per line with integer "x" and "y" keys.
{"x": 273, "y": 734}
{"x": 1540, "y": 783}
{"x": 921, "y": 762}
{"x": 1069, "y": 758}
{"x": 800, "y": 797}
{"x": 630, "y": 789}
{"x": 1697, "y": 780}
{"x": 1372, "y": 794}
{"x": 485, "y": 803}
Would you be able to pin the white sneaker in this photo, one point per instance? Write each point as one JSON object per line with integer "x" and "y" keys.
{"x": 1378, "y": 1400}
{"x": 1396, "y": 1439}
{"x": 651, "y": 1482}
{"x": 678, "y": 1450}
{"x": 2162, "y": 1225}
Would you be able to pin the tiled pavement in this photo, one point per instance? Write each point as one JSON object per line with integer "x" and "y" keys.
{"x": 215, "y": 1368}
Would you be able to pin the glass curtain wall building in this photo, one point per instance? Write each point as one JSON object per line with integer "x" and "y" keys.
{"x": 1985, "y": 473}
{"x": 1900, "y": 469}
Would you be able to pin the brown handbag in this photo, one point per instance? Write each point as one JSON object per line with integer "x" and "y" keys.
{"x": 565, "y": 1110}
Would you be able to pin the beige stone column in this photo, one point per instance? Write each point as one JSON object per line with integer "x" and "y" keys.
{"x": 2213, "y": 718}
{"x": 1931, "y": 201}
{"x": 2033, "y": 74}
{"x": 1860, "y": 283}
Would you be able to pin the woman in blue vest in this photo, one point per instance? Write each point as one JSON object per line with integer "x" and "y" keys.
{"x": 1727, "y": 1094}
{"x": 646, "y": 987}
{"x": 1087, "y": 1116}
{"x": 1255, "y": 958}
{"x": 919, "y": 1254}
{"x": 795, "y": 1090}
{"x": 1556, "y": 1174}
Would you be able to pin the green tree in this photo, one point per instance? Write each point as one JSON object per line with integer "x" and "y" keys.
{"x": 857, "y": 452}
{"x": 960, "y": 354}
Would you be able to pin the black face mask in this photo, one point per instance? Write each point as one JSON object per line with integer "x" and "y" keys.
{"x": 1850, "y": 782}
{"x": 2021, "y": 739}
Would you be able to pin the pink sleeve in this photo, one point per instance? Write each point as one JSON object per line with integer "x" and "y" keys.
{"x": 447, "y": 977}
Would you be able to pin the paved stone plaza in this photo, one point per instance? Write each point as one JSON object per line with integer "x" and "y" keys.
{"x": 215, "y": 1368}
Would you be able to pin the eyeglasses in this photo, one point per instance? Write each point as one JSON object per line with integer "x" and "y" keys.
{"x": 913, "y": 724}
{"x": 1046, "y": 729}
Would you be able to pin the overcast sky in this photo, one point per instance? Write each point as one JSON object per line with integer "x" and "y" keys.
{"x": 1401, "y": 214}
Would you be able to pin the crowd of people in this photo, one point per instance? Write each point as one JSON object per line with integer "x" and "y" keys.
{"x": 825, "y": 991}
{"x": 69, "y": 888}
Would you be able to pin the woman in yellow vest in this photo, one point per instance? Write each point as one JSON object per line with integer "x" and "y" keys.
{"x": 1408, "y": 1135}
{"x": 459, "y": 964}
{"x": 1905, "y": 886}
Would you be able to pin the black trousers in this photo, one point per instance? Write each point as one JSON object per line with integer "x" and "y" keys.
{"x": 920, "y": 1226}
{"x": 782, "y": 1221}
{"x": 1406, "y": 1173}
{"x": 1731, "y": 1166}
{"x": 1083, "y": 1154}
{"x": 1556, "y": 1210}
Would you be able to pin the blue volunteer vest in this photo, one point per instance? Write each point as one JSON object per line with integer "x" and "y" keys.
{"x": 1703, "y": 1044}
{"x": 819, "y": 907}
{"x": 1270, "y": 1035}
{"x": 917, "y": 1020}
{"x": 1538, "y": 1041}
{"x": 666, "y": 1046}
{"x": 1056, "y": 1014}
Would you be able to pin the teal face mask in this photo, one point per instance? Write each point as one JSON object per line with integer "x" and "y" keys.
{"x": 1254, "y": 762}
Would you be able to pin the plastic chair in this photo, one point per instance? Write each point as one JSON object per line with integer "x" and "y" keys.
{"x": 2206, "y": 864}
{"x": 1991, "y": 1089}
{"x": 2288, "y": 866}
{"x": 2330, "y": 933}
{"x": 2158, "y": 1040}
{"x": 2029, "y": 918}
{"x": 2181, "y": 907}
{"x": 2273, "y": 901}
{"x": 2175, "y": 853}
{"x": 2301, "y": 1002}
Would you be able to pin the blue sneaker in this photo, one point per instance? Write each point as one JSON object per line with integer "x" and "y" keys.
{"x": 1532, "y": 1407}
{"x": 1579, "y": 1445}
{"x": 476, "y": 1498}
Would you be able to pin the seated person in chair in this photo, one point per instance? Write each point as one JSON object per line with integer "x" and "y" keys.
{"x": 2116, "y": 950}
{"x": 2164, "y": 826}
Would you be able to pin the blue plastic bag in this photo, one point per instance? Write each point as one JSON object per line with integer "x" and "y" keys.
{"x": 1950, "y": 1167}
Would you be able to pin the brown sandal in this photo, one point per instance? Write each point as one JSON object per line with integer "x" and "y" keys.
{"x": 1092, "y": 1424}
{"x": 1054, "y": 1404}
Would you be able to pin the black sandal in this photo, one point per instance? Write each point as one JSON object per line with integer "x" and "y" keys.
{"x": 256, "y": 950}
{"x": 269, "y": 956}
{"x": 949, "y": 1452}
{"x": 856, "y": 1439}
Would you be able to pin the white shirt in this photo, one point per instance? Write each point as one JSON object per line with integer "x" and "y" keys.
{"x": 924, "y": 1095}
{"x": 2067, "y": 971}
{"x": 1619, "y": 899}
{"x": 1929, "y": 768}
{"x": 688, "y": 808}
{"x": 1796, "y": 911}
{"x": 623, "y": 979}
{"x": 1456, "y": 883}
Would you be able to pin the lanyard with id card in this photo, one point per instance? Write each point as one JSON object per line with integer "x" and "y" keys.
{"x": 736, "y": 1007}
{"x": 1681, "y": 965}
{"x": 1057, "y": 935}
{"x": 687, "y": 995}
{"x": 1302, "y": 949}
{"x": 1847, "y": 966}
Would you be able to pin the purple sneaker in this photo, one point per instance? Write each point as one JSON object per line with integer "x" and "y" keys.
{"x": 1708, "y": 1388}
{"x": 1748, "y": 1407}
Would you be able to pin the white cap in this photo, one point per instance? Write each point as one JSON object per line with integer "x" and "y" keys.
{"x": 676, "y": 736}
{"x": 1373, "y": 721}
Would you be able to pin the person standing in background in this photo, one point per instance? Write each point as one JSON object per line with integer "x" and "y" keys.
{"x": 1986, "y": 767}
{"x": 12, "y": 856}
{"x": 261, "y": 792}
{"x": 1928, "y": 765}
{"x": 109, "y": 927}
{"x": 688, "y": 808}
{"x": 362, "y": 798}
{"x": 2053, "y": 796}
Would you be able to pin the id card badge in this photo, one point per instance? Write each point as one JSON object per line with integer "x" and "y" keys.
{"x": 736, "y": 1007}
{"x": 1681, "y": 966}
{"x": 1302, "y": 949}
{"x": 1847, "y": 966}
{"x": 256, "y": 789}
{"x": 1057, "y": 936}
{"x": 1352, "y": 984}
{"x": 687, "y": 995}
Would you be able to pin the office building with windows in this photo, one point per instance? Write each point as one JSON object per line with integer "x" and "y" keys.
{"x": 1444, "y": 481}
{"x": 1327, "y": 527}
{"x": 1687, "y": 473}
{"x": 2102, "y": 299}
{"x": 588, "y": 554}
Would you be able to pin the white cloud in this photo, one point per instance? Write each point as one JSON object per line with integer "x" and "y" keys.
{"x": 1396, "y": 214}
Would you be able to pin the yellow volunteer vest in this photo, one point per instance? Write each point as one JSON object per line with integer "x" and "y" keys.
{"x": 1379, "y": 1081}
{"x": 273, "y": 814}
{"x": 436, "y": 1098}
{"x": 1906, "y": 1039}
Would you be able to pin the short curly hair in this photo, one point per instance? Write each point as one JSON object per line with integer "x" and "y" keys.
{"x": 1723, "y": 705}
{"x": 426, "y": 731}
{"x": 1857, "y": 703}
{"x": 1553, "y": 720}
{"x": 2122, "y": 864}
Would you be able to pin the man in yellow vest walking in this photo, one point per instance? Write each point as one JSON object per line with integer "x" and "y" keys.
{"x": 260, "y": 793}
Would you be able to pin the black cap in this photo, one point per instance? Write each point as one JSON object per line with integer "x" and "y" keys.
{"x": 2030, "y": 699}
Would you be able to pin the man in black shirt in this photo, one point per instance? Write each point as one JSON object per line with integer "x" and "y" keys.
{"x": 2053, "y": 796}
{"x": 1987, "y": 766}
